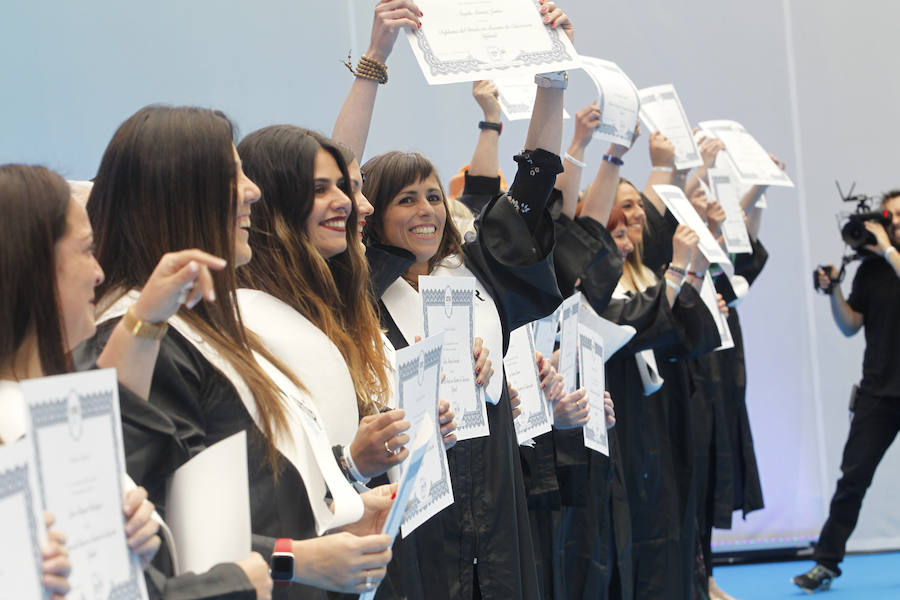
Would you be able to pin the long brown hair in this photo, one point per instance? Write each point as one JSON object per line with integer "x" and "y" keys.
{"x": 167, "y": 182}
{"x": 636, "y": 277}
{"x": 384, "y": 177}
{"x": 333, "y": 294}
{"x": 34, "y": 202}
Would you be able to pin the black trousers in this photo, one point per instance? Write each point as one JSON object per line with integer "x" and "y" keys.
{"x": 875, "y": 423}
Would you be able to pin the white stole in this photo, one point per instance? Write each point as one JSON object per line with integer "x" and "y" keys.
{"x": 645, "y": 359}
{"x": 405, "y": 307}
{"x": 310, "y": 355}
{"x": 305, "y": 444}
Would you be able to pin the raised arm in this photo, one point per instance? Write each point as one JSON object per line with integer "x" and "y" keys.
{"x": 586, "y": 121}
{"x": 753, "y": 212}
{"x": 354, "y": 120}
{"x": 662, "y": 159}
{"x": 485, "y": 161}
{"x": 601, "y": 195}
{"x": 709, "y": 149}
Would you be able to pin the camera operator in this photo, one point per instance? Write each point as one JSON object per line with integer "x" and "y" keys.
{"x": 874, "y": 303}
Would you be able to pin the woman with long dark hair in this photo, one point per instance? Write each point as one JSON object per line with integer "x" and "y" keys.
{"x": 171, "y": 178}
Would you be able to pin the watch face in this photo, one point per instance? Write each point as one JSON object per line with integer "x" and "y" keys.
{"x": 282, "y": 568}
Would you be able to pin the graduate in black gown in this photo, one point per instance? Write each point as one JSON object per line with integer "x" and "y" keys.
{"x": 171, "y": 178}
{"x": 511, "y": 258}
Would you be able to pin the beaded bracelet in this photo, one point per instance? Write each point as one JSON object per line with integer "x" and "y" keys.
{"x": 697, "y": 274}
{"x": 613, "y": 160}
{"x": 368, "y": 68}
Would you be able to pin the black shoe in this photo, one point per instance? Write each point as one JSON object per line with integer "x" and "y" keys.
{"x": 816, "y": 579}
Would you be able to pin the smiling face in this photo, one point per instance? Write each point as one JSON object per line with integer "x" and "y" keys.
{"x": 247, "y": 194}
{"x": 326, "y": 224}
{"x": 414, "y": 219}
{"x": 77, "y": 274}
{"x": 632, "y": 204}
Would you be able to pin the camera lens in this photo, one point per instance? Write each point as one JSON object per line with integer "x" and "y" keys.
{"x": 855, "y": 233}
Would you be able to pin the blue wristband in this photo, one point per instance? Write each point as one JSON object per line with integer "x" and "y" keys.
{"x": 613, "y": 160}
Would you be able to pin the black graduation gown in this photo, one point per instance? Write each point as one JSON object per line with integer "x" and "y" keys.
{"x": 654, "y": 434}
{"x": 747, "y": 490}
{"x": 191, "y": 407}
{"x": 488, "y": 520}
{"x": 591, "y": 534}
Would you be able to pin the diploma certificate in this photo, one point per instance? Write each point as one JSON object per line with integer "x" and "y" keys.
{"x": 618, "y": 99}
{"x": 447, "y": 306}
{"x": 522, "y": 374}
{"x": 545, "y": 334}
{"x": 516, "y": 96}
{"x": 21, "y": 561}
{"x": 684, "y": 212}
{"x": 568, "y": 342}
{"x": 661, "y": 110}
{"x": 418, "y": 382}
{"x": 708, "y": 295}
{"x": 751, "y": 161}
{"x": 76, "y": 436}
{"x": 734, "y": 230}
{"x": 483, "y": 39}
{"x": 593, "y": 377}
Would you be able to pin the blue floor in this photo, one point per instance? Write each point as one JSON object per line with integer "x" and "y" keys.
{"x": 865, "y": 577}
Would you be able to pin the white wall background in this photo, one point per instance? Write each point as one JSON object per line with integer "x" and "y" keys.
{"x": 815, "y": 81}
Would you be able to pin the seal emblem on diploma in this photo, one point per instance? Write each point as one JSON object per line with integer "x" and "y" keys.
{"x": 73, "y": 411}
{"x": 448, "y": 301}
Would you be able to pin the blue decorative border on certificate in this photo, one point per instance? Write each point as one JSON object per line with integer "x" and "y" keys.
{"x": 438, "y": 67}
{"x": 92, "y": 404}
{"x": 405, "y": 372}
{"x": 15, "y": 481}
{"x": 465, "y": 298}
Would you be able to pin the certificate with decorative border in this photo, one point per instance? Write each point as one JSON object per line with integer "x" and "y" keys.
{"x": 661, "y": 110}
{"x": 418, "y": 382}
{"x": 21, "y": 562}
{"x": 618, "y": 99}
{"x": 752, "y": 163}
{"x": 76, "y": 436}
{"x": 447, "y": 306}
{"x": 469, "y": 40}
{"x": 593, "y": 376}
{"x": 685, "y": 213}
{"x": 536, "y": 417}
{"x": 568, "y": 342}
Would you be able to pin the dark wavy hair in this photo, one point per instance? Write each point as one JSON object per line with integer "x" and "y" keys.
{"x": 34, "y": 202}
{"x": 168, "y": 182}
{"x": 384, "y": 177}
{"x": 332, "y": 293}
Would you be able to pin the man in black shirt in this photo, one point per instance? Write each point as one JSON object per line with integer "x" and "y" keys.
{"x": 874, "y": 303}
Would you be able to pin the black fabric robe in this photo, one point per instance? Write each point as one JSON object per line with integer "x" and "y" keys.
{"x": 191, "y": 407}
{"x": 488, "y": 520}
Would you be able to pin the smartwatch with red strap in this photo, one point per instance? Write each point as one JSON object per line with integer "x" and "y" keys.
{"x": 281, "y": 564}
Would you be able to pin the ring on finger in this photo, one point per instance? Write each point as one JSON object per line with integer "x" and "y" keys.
{"x": 387, "y": 449}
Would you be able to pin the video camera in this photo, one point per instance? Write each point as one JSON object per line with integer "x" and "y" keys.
{"x": 854, "y": 232}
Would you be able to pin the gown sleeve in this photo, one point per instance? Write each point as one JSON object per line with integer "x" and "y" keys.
{"x": 585, "y": 250}
{"x": 658, "y": 233}
{"x": 386, "y": 264}
{"x": 478, "y": 192}
{"x": 749, "y": 266}
{"x": 513, "y": 251}
{"x": 226, "y": 581}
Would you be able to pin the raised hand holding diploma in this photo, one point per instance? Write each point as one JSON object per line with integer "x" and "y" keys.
{"x": 418, "y": 382}
{"x": 618, "y": 99}
{"x": 752, "y": 164}
{"x": 684, "y": 212}
{"x": 482, "y": 39}
{"x": 76, "y": 436}
{"x": 661, "y": 110}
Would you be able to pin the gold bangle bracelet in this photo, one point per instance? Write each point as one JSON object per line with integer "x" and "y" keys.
{"x": 143, "y": 329}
